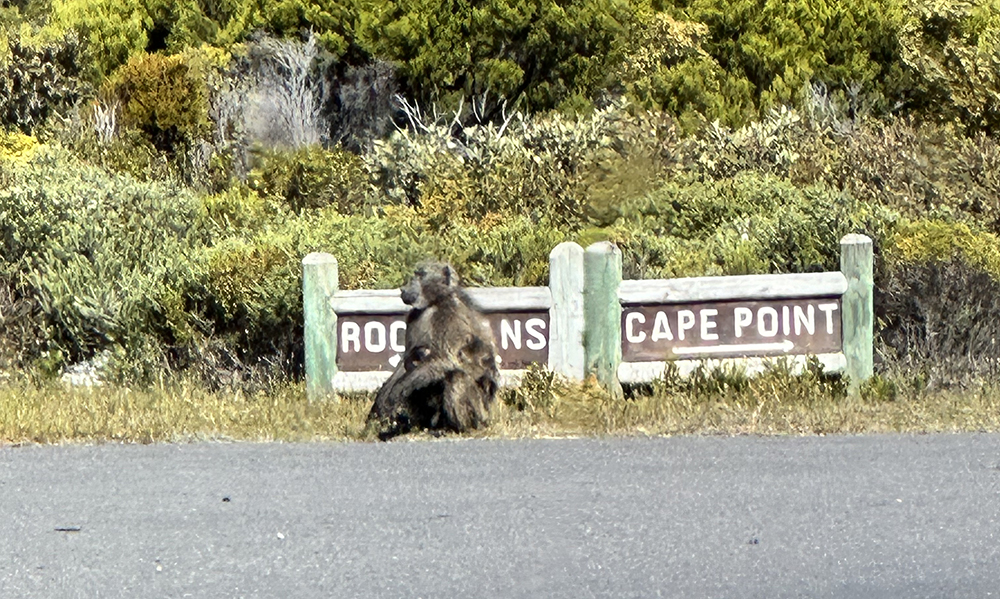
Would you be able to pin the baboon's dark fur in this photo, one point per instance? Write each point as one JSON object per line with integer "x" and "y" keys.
{"x": 448, "y": 376}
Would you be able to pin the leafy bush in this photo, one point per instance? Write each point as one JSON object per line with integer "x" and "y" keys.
{"x": 925, "y": 241}
{"x": 936, "y": 303}
{"x": 544, "y": 51}
{"x": 915, "y": 169}
{"x": 567, "y": 170}
{"x": 758, "y": 55}
{"x": 97, "y": 253}
{"x": 952, "y": 47}
{"x": 113, "y": 30}
{"x": 37, "y": 78}
{"x": 311, "y": 177}
{"x": 164, "y": 97}
{"x": 665, "y": 67}
{"x": 749, "y": 224}
{"x": 16, "y": 146}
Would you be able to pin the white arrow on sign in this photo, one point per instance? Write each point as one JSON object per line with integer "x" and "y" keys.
{"x": 785, "y": 346}
{"x": 394, "y": 360}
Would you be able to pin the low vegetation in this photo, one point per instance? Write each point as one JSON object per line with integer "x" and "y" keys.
{"x": 774, "y": 403}
{"x": 163, "y": 172}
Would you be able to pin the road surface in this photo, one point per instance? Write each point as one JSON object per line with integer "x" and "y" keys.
{"x": 871, "y": 516}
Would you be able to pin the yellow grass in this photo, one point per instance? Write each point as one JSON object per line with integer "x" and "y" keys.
{"x": 774, "y": 404}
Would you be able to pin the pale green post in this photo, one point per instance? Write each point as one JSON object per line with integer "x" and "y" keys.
{"x": 602, "y": 265}
{"x": 566, "y": 322}
{"x": 320, "y": 280}
{"x": 857, "y": 263}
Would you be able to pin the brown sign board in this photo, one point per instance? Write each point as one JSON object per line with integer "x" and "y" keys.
{"x": 372, "y": 342}
{"x": 728, "y": 329}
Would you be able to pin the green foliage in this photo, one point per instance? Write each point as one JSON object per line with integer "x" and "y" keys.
{"x": 114, "y": 30}
{"x": 311, "y": 177}
{"x": 96, "y": 252}
{"x": 163, "y": 96}
{"x": 924, "y": 241}
{"x": 16, "y": 146}
{"x": 916, "y": 170}
{"x": 38, "y": 78}
{"x": 752, "y": 223}
{"x": 954, "y": 50}
{"x": 780, "y": 47}
{"x": 565, "y": 170}
{"x": 543, "y": 51}
{"x": 665, "y": 67}
{"x": 335, "y": 22}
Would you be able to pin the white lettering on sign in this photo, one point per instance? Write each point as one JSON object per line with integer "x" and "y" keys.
{"x": 397, "y": 336}
{"x": 631, "y": 334}
{"x": 805, "y": 318}
{"x": 685, "y": 322}
{"x": 510, "y": 335}
{"x": 767, "y": 321}
{"x": 661, "y": 328}
{"x": 378, "y": 336}
{"x": 744, "y": 317}
{"x": 350, "y": 333}
{"x": 535, "y": 328}
{"x": 828, "y": 310}
{"x": 708, "y": 324}
{"x": 374, "y": 336}
{"x": 730, "y": 328}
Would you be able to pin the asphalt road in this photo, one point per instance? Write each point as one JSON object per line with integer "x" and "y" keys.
{"x": 877, "y": 516}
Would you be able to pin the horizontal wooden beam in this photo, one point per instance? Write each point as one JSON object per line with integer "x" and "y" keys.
{"x": 487, "y": 299}
{"x": 372, "y": 380}
{"x": 744, "y": 287}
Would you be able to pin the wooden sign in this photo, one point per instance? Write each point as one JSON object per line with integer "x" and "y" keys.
{"x": 590, "y": 321}
{"x": 729, "y": 329}
{"x": 376, "y": 342}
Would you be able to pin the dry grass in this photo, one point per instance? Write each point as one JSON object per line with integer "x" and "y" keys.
{"x": 176, "y": 412}
{"x": 776, "y": 403}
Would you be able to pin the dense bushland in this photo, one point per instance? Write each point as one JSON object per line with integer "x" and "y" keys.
{"x": 162, "y": 172}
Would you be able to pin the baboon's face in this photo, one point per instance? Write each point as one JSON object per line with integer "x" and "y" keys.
{"x": 430, "y": 282}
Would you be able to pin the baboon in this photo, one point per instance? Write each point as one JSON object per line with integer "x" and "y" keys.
{"x": 448, "y": 376}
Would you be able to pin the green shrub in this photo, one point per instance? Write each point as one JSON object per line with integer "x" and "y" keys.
{"x": 113, "y": 30}
{"x": 163, "y": 96}
{"x": 914, "y": 169}
{"x": 311, "y": 177}
{"x": 666, "y": 68}
{"x": 926, "y": 241}
{"x": 97, "y": 253}
{"x": 566, "y": 170}
{"x": 758, "y": 55}
{"x": 38, "y": 78}
{"x": 752, "y": 223}
{"x": 16, "y": 146}
{"x": 952, "y": 48}
{"x": 544, "y": 51}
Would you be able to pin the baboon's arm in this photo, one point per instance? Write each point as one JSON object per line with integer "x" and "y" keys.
{"x": 425, "y": 374}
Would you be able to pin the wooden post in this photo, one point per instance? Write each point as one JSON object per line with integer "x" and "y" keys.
{"x": 320, "y": 280}
{"x": 566, "y": 352}
{"x": 857, "y": 263}
{"x": 603, "y": 314}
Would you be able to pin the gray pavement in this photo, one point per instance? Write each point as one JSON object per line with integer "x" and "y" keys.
{"x": 873, "y": 516}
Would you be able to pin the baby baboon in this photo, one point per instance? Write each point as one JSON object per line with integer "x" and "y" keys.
{"x": 448, "y": 376}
